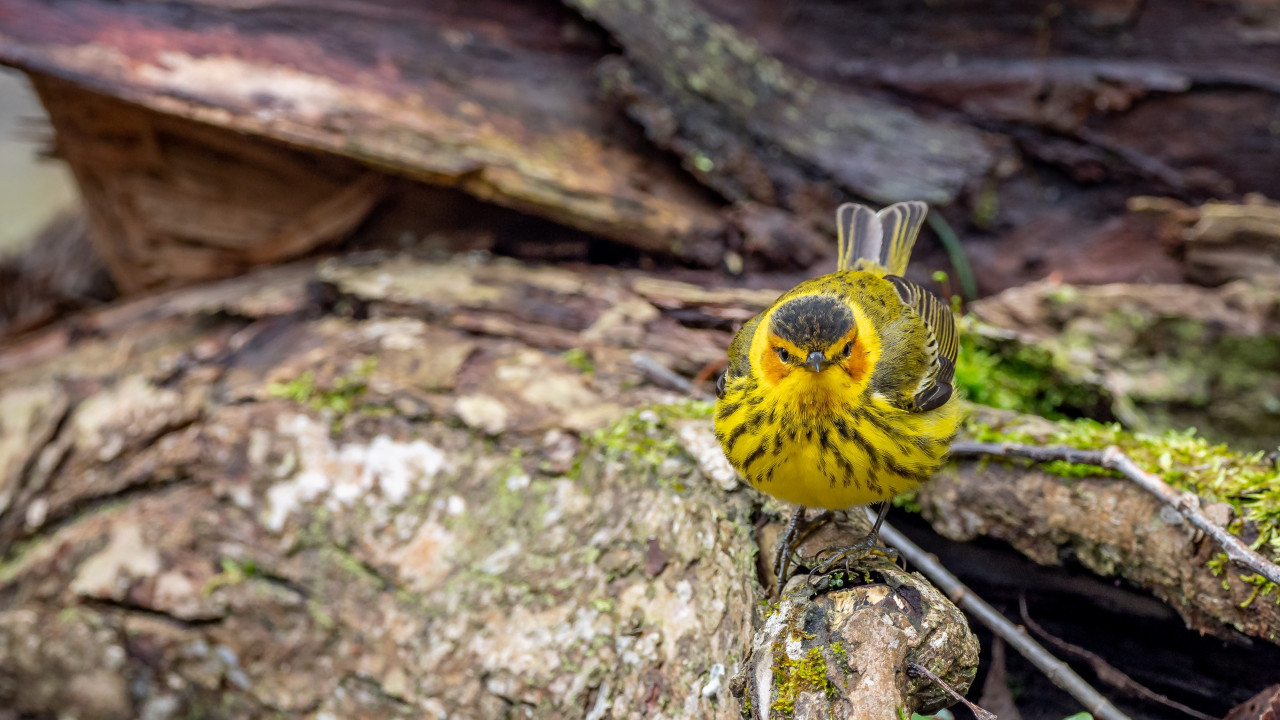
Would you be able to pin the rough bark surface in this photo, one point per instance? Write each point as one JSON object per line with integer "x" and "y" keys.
{"x": 721, "y": 104}
{"x": 1108, "y": 525}
{"x": 505, "y": 110}
{"x": 822, "y": 648}
{"x": 1035, "y": 124}
{"x": 1154, "y": 356}
{"x": 378, "y": 488}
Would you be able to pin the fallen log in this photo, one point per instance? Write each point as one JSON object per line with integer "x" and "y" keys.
{"x": 385, "y": 474}
{"x": 387, "y": 487}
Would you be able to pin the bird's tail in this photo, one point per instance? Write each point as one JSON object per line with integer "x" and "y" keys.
{"x": 882, "y": 240}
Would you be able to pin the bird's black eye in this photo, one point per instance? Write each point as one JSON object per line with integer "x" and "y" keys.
{"x": 783, "y": 355}
{"x": 848, "y": 350}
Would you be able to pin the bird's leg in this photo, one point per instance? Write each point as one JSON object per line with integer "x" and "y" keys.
{"x": 786, "y": 545}
{"x": 797, "y": 530}
{"x": 852, "y": 553}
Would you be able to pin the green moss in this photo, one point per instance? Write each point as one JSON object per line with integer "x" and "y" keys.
{"x": 1215, "y": 472}
{"x": 319, "y": 615}
{"x": 15, "y": 560}
{"x": 792, "y": 677}
{"x": 701, "y": 162}
{"x": 1175, "y": 371}
{"x": 580, "y": 360}
{"x": 233, "y": 572}
{"x": 907, "y": 501}
{"x": 645, "y": 439}
{"x": 768, "y": 608}
{"x": 1012, "y": 376}
{"x": 341, "y": 398}
{"x": 342, "y": 559}
{"x": 987, "y": 206}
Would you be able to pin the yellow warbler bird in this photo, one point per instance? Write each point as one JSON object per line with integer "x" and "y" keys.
{"x": 842, "y": 392}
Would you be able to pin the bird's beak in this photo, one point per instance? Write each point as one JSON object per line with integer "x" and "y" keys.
{"x": 816, "y": 361}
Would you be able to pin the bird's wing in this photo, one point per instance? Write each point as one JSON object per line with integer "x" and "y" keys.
{"x": 740, "y": 352}
{"x": 942, "y": 346}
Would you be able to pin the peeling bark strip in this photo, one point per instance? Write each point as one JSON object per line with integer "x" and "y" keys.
{"x": 174, "y": 202}
{"x": 506, "y": 113}
{"x": 230, "y": 501}
{"x": 753, "y": 129}
{"x": 1111, "y": 458}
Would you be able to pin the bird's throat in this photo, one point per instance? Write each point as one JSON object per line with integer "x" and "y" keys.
{"x": 814, "y": 394}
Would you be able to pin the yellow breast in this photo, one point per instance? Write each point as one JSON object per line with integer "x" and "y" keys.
{"x": 814, "y": 446}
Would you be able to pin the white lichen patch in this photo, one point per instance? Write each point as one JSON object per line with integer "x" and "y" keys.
{"x": 412, "y": 283}
{"x": 482, "y": 412}
{"x": 235, "y": 81}
{"x": 110, "y": 572}
{"x": 27, "y": 416}
{"x": 712, "y": 688}
{"x": 425, "y": 560}
{"x": 132, "y": 408}
{"x": 697, "y": 439}
{"x": 379, "y": 474}
{"x": 641, "y": 650}
{"x": 529, "y": 643}
{"x": 672, "y": 609}
{"x": 395, "y": 333}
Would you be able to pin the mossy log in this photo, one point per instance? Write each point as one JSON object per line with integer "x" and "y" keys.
{"x": 392, "y": 487}
{"x": 1154, "y": 357}
{"x": 388, "y": 488}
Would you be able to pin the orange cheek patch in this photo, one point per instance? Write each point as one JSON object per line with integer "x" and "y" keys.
{"x": 858, "y": 363}
{"x": 771, "y": 367}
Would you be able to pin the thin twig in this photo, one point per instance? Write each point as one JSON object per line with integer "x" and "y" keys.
{"x": 920, "y": 670}
{"x": 1057, "y": 671}
{"x": 1105, "y": 671}
{"x": 980, "y": 713}
{"x": 1187, "y": 504}
{"x": 660, "y": 375}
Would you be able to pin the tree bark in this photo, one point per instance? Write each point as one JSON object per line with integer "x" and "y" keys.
{"x": 1107, "y": 524}
{"x": 780, "y": 113}
{"x": 380, "y": 487}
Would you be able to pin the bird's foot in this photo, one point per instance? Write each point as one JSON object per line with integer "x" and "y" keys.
{"x": 798, "y": 530}
{"x": 847, "y": 556}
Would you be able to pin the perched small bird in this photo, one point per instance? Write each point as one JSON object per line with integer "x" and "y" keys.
{"x": 841, "y": 393}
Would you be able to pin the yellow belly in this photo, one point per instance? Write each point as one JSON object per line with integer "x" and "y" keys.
{"x": 796, "y": 481}
{"x": 840, "y": 458}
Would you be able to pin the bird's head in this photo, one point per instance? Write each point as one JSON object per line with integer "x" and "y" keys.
{"x": 812, "y": 334}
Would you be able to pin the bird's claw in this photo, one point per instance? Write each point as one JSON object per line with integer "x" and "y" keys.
{"x": 847, "y": 556}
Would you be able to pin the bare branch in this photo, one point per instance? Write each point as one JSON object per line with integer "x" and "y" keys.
{"x": 1057, "y": 671}
{"x": 981, "y": 714}
{"x": 1186, "y": 503}
{"x": 664, "y": 377}
{"x": 1105, "y": 671}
